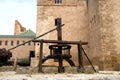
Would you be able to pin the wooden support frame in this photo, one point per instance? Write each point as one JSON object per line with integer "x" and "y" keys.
{"x": 78, "y": 43}
{"x": 61, "y": 42}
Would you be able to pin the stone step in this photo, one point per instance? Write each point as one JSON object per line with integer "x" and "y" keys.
{"x": 54, "y": 69}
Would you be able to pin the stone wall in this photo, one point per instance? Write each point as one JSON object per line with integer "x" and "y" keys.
{"x": 20, "y": 52}
{"x": 94, "y": 31}
{"x": 94, "y": 21}
{"x": 52, "y": 2}
{"x": 18, "y": 28}
{"x": 73, "y": 16}
{"x": 109, "y": 22}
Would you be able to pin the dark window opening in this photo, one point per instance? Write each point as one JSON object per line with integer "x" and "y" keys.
{"x": 32, "y": 53}
{"x": 58, "y": 1}
{"x": 55, "y": 22}
{"x": 38, "y": 44}
{"x": 0, "y": 42}
{"x": 18, "y": 42}
{"x": 23, "y": 42}
{"x": 11, "y": 43}
{"x": 6, "y": 43}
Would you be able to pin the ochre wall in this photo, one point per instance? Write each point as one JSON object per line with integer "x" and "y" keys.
{"x": 73, "y": 16}
{"x": 18, "y": 28}
{"x": 20, "y": 52}
{"x": 94, "y": 31}
{"x": 110, "y": 22}
{"x": 52, "y": 2}
{"x": 94, "y": 21}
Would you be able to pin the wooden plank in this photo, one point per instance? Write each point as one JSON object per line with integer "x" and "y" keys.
{"x": 59, "y": 29}
{"x": 80, "y": 60}
{"x": 40, "y": 57}
{"x": 61, "y": 42}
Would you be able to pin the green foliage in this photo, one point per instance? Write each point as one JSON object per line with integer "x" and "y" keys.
{"x": 24, "y": 62}
{"x": 8, "y": 63}
{"x": 4, "y": 55}
{"x": 81, "y": 70}
{"x": 86, "y": 71}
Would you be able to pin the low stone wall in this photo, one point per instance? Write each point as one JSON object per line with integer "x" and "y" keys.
{"x": 54, "y": 69}
{"x": 46, "y": 69}
{"x": 6, "y": 68}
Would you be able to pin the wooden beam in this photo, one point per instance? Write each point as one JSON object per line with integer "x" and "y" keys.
{"x": 80, "y": 60}
{"x": 40, "y": 57}
{"x": 61, "y": 42}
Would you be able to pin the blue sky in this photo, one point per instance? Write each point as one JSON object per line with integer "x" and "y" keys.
{"x": 22, "y": 10}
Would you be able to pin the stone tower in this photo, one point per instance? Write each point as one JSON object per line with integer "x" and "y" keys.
{"x": 109, "y": 24}
{"x": 74, "y": 16}
{"x": 94, "y": 21}
{"x": 104, "y": 26}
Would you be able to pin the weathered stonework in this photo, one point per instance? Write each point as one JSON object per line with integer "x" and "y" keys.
{"x": 109, "y": 10}
{"x": 94, "y": 31}
{"x": 94, "y": 21}
{"x": 18, "y": 28}
{"x": 20, "y": 36}
{"x": 75, "y": 26}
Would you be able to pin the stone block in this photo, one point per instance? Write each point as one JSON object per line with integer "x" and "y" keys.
{"x": 71, "y": 69}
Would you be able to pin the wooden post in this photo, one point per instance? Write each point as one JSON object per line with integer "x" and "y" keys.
{"x": 59, "y": 29}
{"x": 59, "y": 37}
{"x": 15, "y": 64}
{"x": 80, "y": 60}
{"x": 89, "y": 60}
{"x": 40, "y": 57}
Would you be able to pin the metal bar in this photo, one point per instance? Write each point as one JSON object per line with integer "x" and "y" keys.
{"x": 40, "y": 57}
{"x": 61, "y": 42}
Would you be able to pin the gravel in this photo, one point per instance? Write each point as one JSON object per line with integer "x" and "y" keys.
{"x": 102, "y": 75}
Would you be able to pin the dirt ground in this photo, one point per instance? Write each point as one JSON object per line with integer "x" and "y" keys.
{"x": 101, "y": 75}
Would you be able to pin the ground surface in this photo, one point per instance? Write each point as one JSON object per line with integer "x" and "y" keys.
{"x": 65, "y": 76}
